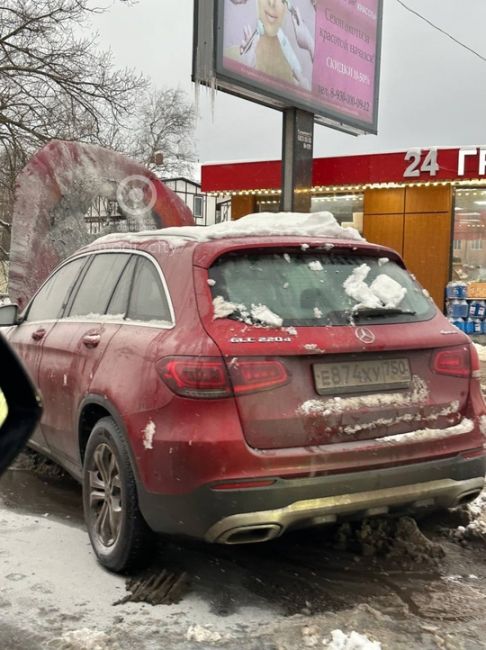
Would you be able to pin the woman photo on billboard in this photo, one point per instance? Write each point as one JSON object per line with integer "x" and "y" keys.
{"x": 267, "y": 49}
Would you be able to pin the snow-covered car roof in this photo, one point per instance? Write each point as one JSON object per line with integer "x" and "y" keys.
{"x": 262, "y": 224}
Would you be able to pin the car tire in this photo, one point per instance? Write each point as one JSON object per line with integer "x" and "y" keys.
{"x": 118, "y": 533}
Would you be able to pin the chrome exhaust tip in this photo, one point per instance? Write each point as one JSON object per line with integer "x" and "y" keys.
{"x": 467, "y": 497}
{"x": 250, "y": 534}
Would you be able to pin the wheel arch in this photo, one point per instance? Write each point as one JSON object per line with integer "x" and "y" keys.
{"x": 94, "y": 408}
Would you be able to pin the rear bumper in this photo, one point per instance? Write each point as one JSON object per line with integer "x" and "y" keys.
{"x": 258, "y": 514}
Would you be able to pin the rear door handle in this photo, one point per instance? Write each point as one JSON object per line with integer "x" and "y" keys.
{"x": 39, "y": 334}
{"x": 91, "y": 340}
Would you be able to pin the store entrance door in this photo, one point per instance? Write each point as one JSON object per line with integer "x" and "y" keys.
{"x": 416, "y": 222}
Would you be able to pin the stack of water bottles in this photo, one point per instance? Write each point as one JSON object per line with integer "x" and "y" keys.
{"x": 468, "y": 314}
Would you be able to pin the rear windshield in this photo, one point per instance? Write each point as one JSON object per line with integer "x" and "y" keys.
{"x": 310, "y": 289}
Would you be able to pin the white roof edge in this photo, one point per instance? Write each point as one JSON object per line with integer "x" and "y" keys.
{"x": 347, "y": 155}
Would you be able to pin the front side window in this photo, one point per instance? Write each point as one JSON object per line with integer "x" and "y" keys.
{"x": 315, "y": 289}
{"x": 148, "y": 301}
{"x": 50, "y": 301}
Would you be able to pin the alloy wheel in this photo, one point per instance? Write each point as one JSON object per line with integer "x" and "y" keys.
{"x": 105, "y": 500}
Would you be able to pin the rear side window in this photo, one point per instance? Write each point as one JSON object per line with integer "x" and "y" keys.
{"x": 49, "y": 303}
{"x": 315, "y": 288}
{"x": 148, "y": 301}
{"x": 119, "y": 301}
{"x": 98, "y": 284}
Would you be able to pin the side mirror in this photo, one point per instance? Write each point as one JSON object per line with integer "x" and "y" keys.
{"x": 9, "y": 315}
{"x": 20, "y": 405}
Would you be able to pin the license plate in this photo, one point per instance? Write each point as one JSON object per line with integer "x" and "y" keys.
{"x": 361, "y": 376}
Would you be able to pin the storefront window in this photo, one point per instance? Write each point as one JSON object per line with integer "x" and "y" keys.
{"x": 347, "y": 208}
{"x": 268, "y": 205}
{"x": 468, "y": 250}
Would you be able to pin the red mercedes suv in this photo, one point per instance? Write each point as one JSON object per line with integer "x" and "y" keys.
{"x": 230, "y": 386}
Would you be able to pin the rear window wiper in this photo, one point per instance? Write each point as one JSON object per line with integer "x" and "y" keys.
{"x": 370, "y": 312}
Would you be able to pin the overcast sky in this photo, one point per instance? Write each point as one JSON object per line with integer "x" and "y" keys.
{"x": 432, "y": 92}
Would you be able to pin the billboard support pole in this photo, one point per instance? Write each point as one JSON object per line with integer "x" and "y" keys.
{"x": 297, "y": 154}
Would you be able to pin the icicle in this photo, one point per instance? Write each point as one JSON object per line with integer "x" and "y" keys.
{"x": 213, "y": 93}
{"x": 197, "y": 93}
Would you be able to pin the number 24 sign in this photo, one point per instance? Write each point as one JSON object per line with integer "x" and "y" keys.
{"x": 420, "y": 163}
{"x": 470, "y": 160}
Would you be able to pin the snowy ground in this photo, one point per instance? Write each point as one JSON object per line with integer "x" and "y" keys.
{"x": 379, "y": 585}
{"x": 386, "y": 583}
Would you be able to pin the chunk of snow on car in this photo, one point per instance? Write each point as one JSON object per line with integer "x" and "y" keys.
{"x": 383, "y": 291}
{"x": 465, "y": 426}
{"x": 261, "y": 224}
{"x": 265, "y": 315}
{"x": 148, "y": 435}
{"x": 223, "y": 308}
{"x": 389, "y": 291}
{"x": 324, "y": 407}
{"x": 356, "y": 288}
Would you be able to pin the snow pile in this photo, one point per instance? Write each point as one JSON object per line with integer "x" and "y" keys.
{"x": 202, "y": 634}
{"x": 261, "y": 224}
{"x": 315, "y": 265}
{"x": 399, "y": 540}
{"x": 389, "y": 291}
{"x": 383, "y": 291}
{"x": 83, "y": 639}
{"x": 265, "y": 315}
{"x": 259, "y": 313}
{"x": 482, "y": 424}
{"x": 353, "y": 641}
{"x": 356, "y": 288}
{"x": 476, "y": 528}
{"x": 223, "y": 308}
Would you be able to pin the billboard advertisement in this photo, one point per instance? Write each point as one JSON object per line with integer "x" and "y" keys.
{"x": 318, "y": 55}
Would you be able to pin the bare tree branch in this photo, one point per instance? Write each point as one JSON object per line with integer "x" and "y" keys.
{"x": 164, "y": 122}
{"x": 57, "y": 84}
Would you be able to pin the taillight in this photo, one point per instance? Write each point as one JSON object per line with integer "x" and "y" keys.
{"x": 207, "y": 377}
{"x": 204, "y": 377}
{"x": 252, "y": 375}
{"x": 452, "y": 361}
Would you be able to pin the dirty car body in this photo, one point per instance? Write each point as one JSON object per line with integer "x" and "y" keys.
{"x": 235, "y": 428}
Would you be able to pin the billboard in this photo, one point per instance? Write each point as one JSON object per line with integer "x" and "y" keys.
{"x": 321, "y": 56}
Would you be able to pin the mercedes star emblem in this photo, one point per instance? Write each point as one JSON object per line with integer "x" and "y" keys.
{"x": 365, "y": 335}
